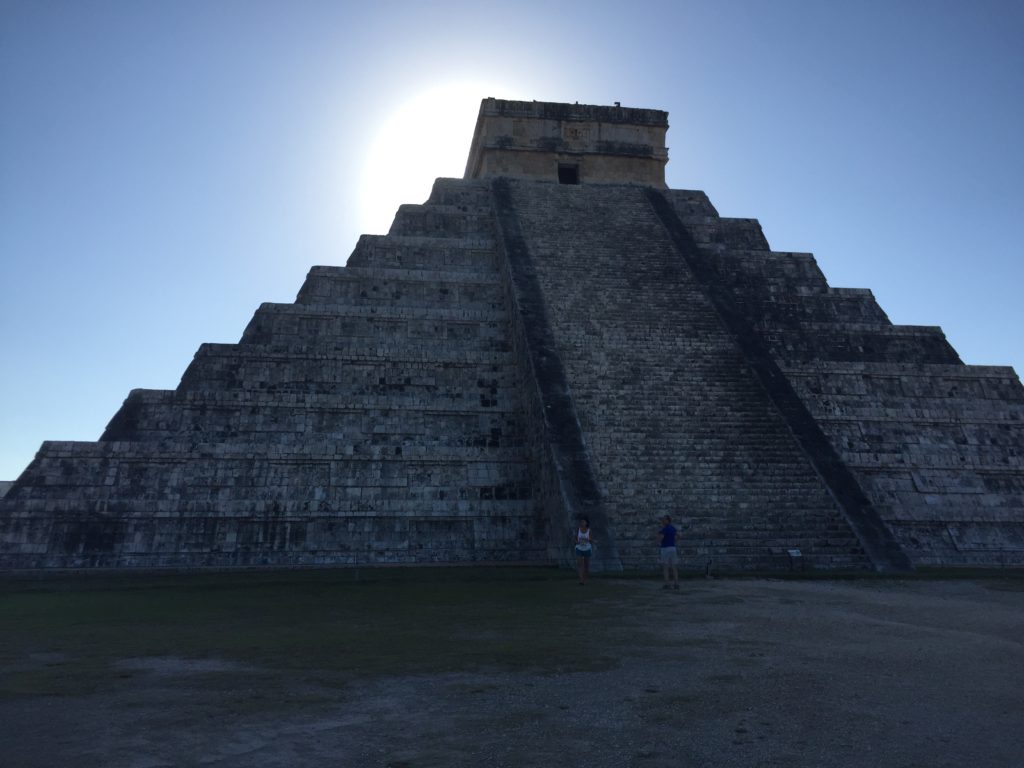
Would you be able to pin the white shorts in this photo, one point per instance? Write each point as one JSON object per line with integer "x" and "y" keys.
{"x": 669, "y": 556}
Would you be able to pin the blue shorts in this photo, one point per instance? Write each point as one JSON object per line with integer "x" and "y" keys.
{"x": 583, "y": 552}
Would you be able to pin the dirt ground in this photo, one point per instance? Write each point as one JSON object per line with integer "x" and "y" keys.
{"x": 487, "y": 669}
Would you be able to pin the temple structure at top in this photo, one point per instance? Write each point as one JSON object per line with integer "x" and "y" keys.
{"x": 569, "y": 143}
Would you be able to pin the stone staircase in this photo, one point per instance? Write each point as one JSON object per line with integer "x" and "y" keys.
{"x": 375, "y": 420}
{"x": 673, "y": 418}
{"x": 938, "y": 446}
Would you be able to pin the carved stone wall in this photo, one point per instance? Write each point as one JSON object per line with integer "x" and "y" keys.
{"x": 594, "y": 145}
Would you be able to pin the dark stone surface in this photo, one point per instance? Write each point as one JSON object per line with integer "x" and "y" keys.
{"x": 515, "y": 353}
{"x": 876, "y": 539}
{"x": 375, "y": 420}
{"x": 561, "y": 435}
{"x": 935, "y": 444}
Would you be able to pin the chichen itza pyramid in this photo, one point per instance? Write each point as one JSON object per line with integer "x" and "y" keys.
{"x": 555, "y": 334}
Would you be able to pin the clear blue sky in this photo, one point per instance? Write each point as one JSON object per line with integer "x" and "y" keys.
{"x": 166, "y": 166}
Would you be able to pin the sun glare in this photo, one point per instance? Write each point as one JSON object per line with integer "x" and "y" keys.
{"x": 427, "y": 137}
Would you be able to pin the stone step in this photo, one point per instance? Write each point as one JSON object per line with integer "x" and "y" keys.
{"x": 443, "y": 221}
{"x": 751, "y": 488}
{"x": 799, "y": 310}
{"x": 400, "y": 252}
{"x": 330, "y": 276}
{"x": 224, "y": 502}
{"x": 170, "y": 472}
{"x": 509, "y": 494}
{"x": 484, "y": 400}
{"x": 390, "y": 312}
{"x": 505, "y": 497}
{"x": 888, "y": 435}
{"x": 782, "y": 272}
{"x": 297, "y": 401}
{"x": 883, "y": 380}
{"x": 723, "y": 532}
{"x": 353, "y": 352}
{"x": 383, "y": 287}
{"x": 317, "y": 323}
{"x": 356, "y": 384}
{"x": 826, "y": 342}
{"x": 167, "y": 418}
{"x": 908, "y": 410}
{"x": 355, "y": 392}
{"x": 886, "y": 481}
{"x": 948, "y": 509}
{"x": 709, "y": 528}
{"x": 720, "y": 234}
{"x": 320, "y": 449}
{"x": 264, "y": 539}
{"x": 693, "y": 205}
{"x": 479, "y": 404}
{"x": 740, "y": 464}
{"x": 464, "y": 194}
{"x": 939, "y": 457}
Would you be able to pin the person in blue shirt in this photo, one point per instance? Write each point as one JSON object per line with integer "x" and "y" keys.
{"x": 669, "y": 557}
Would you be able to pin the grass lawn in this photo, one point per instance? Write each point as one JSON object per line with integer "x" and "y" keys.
{"x": 344, "y": 623}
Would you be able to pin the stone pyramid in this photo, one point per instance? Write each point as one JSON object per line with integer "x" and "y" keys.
{"x": 555, "y": 334}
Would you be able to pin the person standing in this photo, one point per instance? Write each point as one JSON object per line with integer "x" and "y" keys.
{"x": 668, "y": 555}
{"x": 584, "y": 548}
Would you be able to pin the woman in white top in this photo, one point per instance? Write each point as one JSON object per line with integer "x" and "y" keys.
{"x": 584, "y": 547}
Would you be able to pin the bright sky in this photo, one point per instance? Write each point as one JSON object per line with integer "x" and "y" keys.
{"x": 166, "y": 166}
